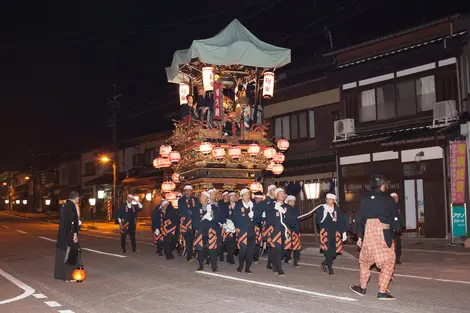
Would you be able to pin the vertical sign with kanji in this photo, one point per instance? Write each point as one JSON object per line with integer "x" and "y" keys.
{"x": 218, "y": 104}
{"x": 459, "y": 220}
{"x": 458, "y": 166}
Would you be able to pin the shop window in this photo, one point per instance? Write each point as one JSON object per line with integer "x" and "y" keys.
{"x": 426, "y": 93}
{"x": 367, "y": 110}
{"x": 300, "y": 125}
{"x": 386, "y": 102}
{"x": 406, "y": 98}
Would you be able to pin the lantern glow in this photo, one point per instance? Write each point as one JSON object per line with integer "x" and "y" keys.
{"x": 165, "y": 151}
{"x": 175, "y": 177}
{"x": 148, "y": 197}
{"x": 157, "y": 162}
{"x": 184, "y": 92}
{"x": 25, "y": 202}
{"x": 205, "y": 147}
{"x": 168, "y": 186}
{"x": 268, "y": 85}
{"x": 269, "y": 153}
{"x": 283, "y": 144}
{"x": 48, "y": 201}
{"x": 256, "y": 187}
{"x": 175, "y": 156}
{"x": 170, "y": 196}
{"x": 279, "y": 158}
{"x": 208, "y": 78}
{"x": 277, "y": 169}
{"x": 79, "y": 275}
{"x": 253, "y": 149}
{"x": 166, "y": 163}
{"x": 218, "y": 153}
{"x": 312, "y": 190}
{"x": 92, "y": 201}
{"x": 235, "y": 152}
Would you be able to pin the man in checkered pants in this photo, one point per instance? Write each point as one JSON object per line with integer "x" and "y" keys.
{"x": 376, "y": 222}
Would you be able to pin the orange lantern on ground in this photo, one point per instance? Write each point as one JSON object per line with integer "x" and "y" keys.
{"x": 283, "y": 144}
{"x": 205, "y": 147}
{"x": 279, "y": 158}
{"x": 218, "y": 153}
{"x": 166, "y": 163}
{"x": 269, "y": 153}
{"x": 253, "y": 149}
{"x": 235, "y": 152}
{"x": 165, "y": 151}
{"x": 157, "y": 162}
{"x": 79, "y": 274}
{"x": 256, "y": 187}
{"x": 175, "y": 156}
{"x": 168, "y": 186}
{"x": 277, "y": 169}
{"x": 175, "y": 177}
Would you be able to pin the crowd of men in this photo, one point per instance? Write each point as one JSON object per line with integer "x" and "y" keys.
{"x": 241, "y": 224}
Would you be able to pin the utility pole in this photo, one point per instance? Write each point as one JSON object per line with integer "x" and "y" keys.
{"x": 114, "y": 103}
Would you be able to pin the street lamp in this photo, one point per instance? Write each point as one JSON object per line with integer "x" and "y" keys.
{"x": 106, "y": 159}
{"x": 7, "y": 201}
{"x": 27, "y": 178}
{"x": 25, "y": 202}
{"x": 312, "y": 191}
{"x": 17, "y": 201}
{"x": 92, "y": 202}
{"x": 48, "y": 202}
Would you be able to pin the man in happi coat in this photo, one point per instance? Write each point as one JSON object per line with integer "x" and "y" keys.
{"x": 67, "y": 236}
{"x": 243, "y": 217}
{"x": 292, "y": 244}
{"x": 333, "y": 225}
{"x": 127, "y": 218}
{"x": 377, "y": 220}
{"x": 205, "y": 237}
{"x": 263, "y": 207}
{"x": 156, "y": 220}
{"x": 276, "y": 230}
{"x": 258, "y": 199}
{"x": 165, "y": 228}
{"x": 188, "y": 204}
{"x": 226, "y": 240}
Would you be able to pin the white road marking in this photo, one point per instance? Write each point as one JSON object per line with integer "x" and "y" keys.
{"x": 39, "y": 296}
{"x": 312, "y": 293}
{"x": 66, "y": 311}
{"x": 27, "y": 289}
{"x": 48, "y": 239}
{"x": 105, "y": 253}
{"x": 20, "y": 231}
{"x": 398, "y": 275}
{"x": 53, "y": 304}
{"x": 5, "y": 226}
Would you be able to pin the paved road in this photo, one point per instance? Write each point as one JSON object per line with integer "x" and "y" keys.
{"x": 143, "y": 282}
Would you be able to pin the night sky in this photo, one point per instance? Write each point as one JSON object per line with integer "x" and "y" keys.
{"x": 57, "y": 58}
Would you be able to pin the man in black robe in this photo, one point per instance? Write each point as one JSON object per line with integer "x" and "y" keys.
{"x": 127, "y": 218}
{"x": 67, "y": 236}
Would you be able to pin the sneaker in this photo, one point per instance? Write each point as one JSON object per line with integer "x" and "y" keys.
{"x": 269, "y": 267}
{"x": 330, "y": 271}
{"x": 385, "y": 296}
{"x": 281, "y": 273}
{"x": 296, "y": 265}
{"x": 248, "y": 272}
{"x": 256, "y": 262}
{"x": 358, "y": 290}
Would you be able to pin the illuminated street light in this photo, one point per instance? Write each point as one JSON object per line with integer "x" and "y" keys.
{"x": 25, "y": 202}
{"x": 48, "y": 201}
{"x": 27, "y": 178}
{"x": 148, "y": 196}
{"x": 92, "y": 201}
{"x": 17, "y": 201}
{"x": 105, "y": 159}
{"x": 7, "y": 201}
{"x": 4, "y": 184}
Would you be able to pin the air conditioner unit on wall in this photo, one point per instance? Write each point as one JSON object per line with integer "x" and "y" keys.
{"x": 444, "y": 112}
{"x": 343, "y": 129}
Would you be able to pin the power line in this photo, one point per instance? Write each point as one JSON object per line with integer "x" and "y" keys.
{"x": 264, "y": 9}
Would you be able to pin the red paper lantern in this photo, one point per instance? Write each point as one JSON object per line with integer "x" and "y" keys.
{"x": 277, "y": 169}
{"x": 218, "y": 153}
{"x": 157, "y": 162}
{"x": 235, "y": 152}
{"x": 168, "y": 186}
{"x": 256, "y": 187}
{"x": 269, "y": 153}
{"x": 175, "y": 177}
{"x": 253, "y": 149}
{"x": 283, "y": 144}
{"x": 279, "y": 158}
{"x": 79, "y": 274}
{"x": 165, "y": 151}
{"x": 175, "y": 156}
{"x": 205, "y": 147}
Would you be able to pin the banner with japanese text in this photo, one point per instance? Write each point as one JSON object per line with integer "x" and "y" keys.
{"x": 458, "y": 169}
{"x": 218, "y": 101}
{"x": 459, "y": 220}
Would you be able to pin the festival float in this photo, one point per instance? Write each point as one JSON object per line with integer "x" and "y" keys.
{"x": 233, "y": 73}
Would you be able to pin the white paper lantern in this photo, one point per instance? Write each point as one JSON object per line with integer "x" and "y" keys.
{"x": 205, "y": 147}
{"x": 208, "y": 78}
{"x": 184, "y": 92}
{"x": 269, "y": 153}
{"x": 253, "y": 149}
{"x": 268, "y": 85}
{"x": 235, "y": 152}
{"x": 218, "y": 153}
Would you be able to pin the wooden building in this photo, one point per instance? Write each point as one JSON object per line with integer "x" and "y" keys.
{"x": 400, "y": 105}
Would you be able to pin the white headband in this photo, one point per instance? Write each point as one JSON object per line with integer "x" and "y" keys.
{"x": 271, "y": 187}
{"x": 233, "y": 193}
{"x": 211, "y": 190}
{"x": 278, "y": 190}
{"x": 205, "y": 193}
{"x": 225, "y": 193}
{"x": 331, "y": 196}
{"x": 188, "y": 187}
{"x": 290, "y": 198}
{"x": 243, "y": 191}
